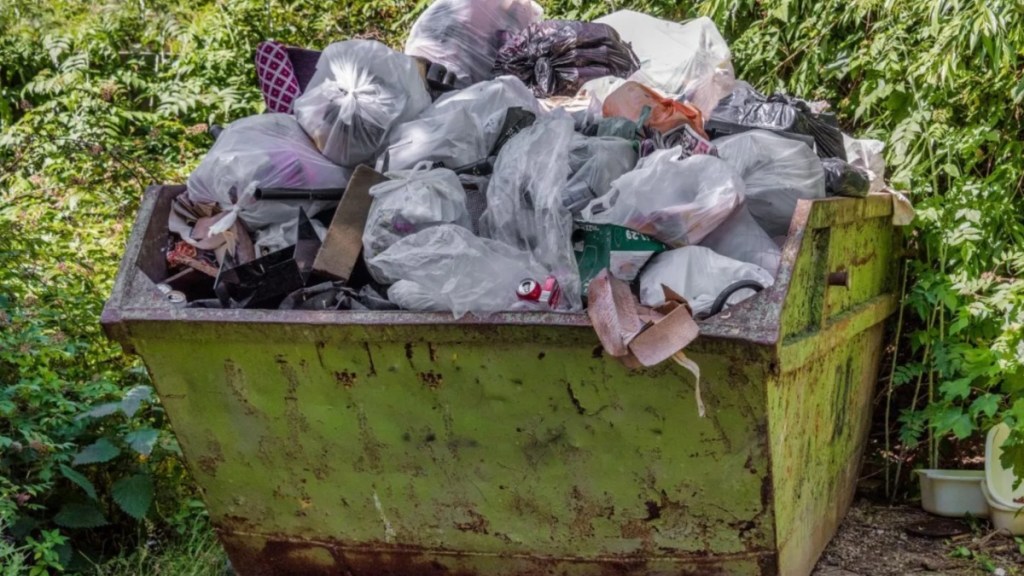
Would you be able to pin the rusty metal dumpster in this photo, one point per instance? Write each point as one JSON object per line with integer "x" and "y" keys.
{"x": 365, "y": 443}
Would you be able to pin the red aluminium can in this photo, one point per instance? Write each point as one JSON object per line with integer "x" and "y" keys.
{"x": 547, "y": 292}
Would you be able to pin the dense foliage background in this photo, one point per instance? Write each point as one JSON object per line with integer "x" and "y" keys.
{"x": 98, "y": 99}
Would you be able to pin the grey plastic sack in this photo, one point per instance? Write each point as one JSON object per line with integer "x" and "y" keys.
{"x": 360, "y": 90}
{"x": 411, "y": 201}
{"x": 446, "y": 267}
{"x": 525, "y": 208}
{"x": 264, "y": 151}
{"x": 464, "y": 35}
{"x": 699, "y": 275}
{"x": 461, "y": 127}
{"x": 677, "y": 201}
{"x": 777, "y": 172}
{"x": 741, "y": 238}
{"x": 594, "y": 164}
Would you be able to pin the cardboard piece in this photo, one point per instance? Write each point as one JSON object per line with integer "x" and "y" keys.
{"x": 343, "y": 243}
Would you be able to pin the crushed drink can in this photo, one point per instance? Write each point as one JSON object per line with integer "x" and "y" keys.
{"x": 547, "y": 292}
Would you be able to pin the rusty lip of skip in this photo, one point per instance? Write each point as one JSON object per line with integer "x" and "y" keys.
{"x": 257, "y": 554}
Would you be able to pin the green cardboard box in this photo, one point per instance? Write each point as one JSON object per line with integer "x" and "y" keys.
{"x": 623, "y": 251}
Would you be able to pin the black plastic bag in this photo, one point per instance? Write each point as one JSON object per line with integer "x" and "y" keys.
{"x": 556, "y": 57}
{"x": 747, "y": 109}
{"x": 845, "y": 179}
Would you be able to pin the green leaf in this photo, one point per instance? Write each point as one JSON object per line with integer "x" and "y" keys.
{"x": 953, "y": 389}
{"x": 80, "y": 516}
{"x": 142, "y": 440}
{"x": 102, "y": 410}
{"x": 100, "y": 451}
{"x": 963, "y": 427}
{"x": 79, "y": 479}
{"x": 134, "y": 398}
{"x": 986, "y": 404}
{"x": 133, "y": 494}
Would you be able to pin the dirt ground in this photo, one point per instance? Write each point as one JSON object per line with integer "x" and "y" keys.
{"x": 881, "y": 540}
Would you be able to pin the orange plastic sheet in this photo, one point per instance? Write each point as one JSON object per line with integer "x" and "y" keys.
{"x": 628, "y": 101}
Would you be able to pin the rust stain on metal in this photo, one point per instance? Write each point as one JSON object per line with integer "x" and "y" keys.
{"x": 431, "y": 379}
{"x": 345, "y": 378}
{"x": 369, "y": 358}
{"x": 432, "y": 351}
{"x": 477, "y": 523}
{"x": 370, "y": 458}
{"x": 234, "y": 378}
{"x": 212, "y": 458}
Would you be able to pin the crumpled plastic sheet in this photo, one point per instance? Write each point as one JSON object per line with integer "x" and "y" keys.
{"x": 447, "y": 268}
{"x": 677, "y": 201}
{"x": 594, "y": 164}
{"x": 689, "y": 61}
{"x": 745, "y": 108}
{"x": 525, "y": 207}
{"x": 777, "y": 172}
{"x": 360, "y": 90}
{"x": 741, "y": 238}
{"x": 335, "y": 296}
{"x": 264, "y": 151}
{"x": 411, "y": 201}
{"x": 460, "y": 127}
{"x": 699, "y": 275}
{"x": 632, "y": 100}
{"x": 464, "y": 35}
{"x": 556, "y": 57}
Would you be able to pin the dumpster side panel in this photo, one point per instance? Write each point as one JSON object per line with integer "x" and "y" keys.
{"x": 476, "y": 454}
{"x": 819, "y": 404}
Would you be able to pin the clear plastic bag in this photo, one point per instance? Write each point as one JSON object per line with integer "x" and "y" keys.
{"x": 699, "y": 275}
{"x": 594, "y": 164}
{"x": 524, "y": 201}
{"x": 412, "y": 201}
{"x": 689, "y": 61}
{"x": 464, "y": 35}
{"x": 741, "y": 238}
{"x": 867, "y": 155}
{"x": 678, "y": 202}
{"x": 777, "y": 171}
{"x": 446, "y": 267}
{"x": 264, "y": 151}
{"x": 556, "y": 57}
{"x": 461, "y": 127}
{"x": 360, "y": 90}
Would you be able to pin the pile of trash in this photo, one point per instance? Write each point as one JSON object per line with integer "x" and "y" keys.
{"x": 504, "y": 162}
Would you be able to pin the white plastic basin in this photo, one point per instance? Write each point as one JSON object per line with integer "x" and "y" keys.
{"x": 953, "y": 493}
{"x": 999, "y": 480}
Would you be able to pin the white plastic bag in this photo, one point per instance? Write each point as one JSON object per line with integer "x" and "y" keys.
{"x": 867, "y": 154}
{"x": 777, "y": 171}
{"x": 464, "y": 35}
{"x": 699, "y": 275}
{"x": 524, "y": 201}
{"x": 678, "y": 202}
{"x": 446, "y": 267}
{"x": 741, "y": 238}
{"x": 360, "y": 90}
{"x": 595, "y": 162}
{"x": 461, "y": 127}
{"x": 689, "y": 60}
{"x": 264, "y": 151}
{"x": 412, "y": 201}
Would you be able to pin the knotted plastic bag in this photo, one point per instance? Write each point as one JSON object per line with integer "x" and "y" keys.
{"x": 360, "y": 90}
{"x": 461, "y": 127}
{"x": 525, "y": 207}
{"x": 412, "y": 201}
{"x": 688, "y": 61}
{"x": 777, "y": 172}
{"x": 677, "y": 201}
{"x": 464, "y": 35}
{"x": 265, "y": 151}
{"x": 699, "y": 275}
{"x": 446, "y": 267}
{"x": 556, "y": 57}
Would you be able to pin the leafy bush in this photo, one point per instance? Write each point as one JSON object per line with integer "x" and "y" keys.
{"x": 99, "y": 99}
